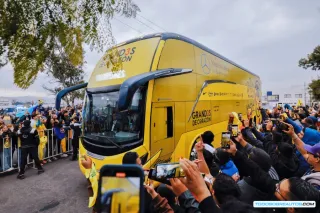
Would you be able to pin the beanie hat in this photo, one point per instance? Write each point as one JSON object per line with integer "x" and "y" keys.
{"x": 285, "y": 149}
{"x": 221, "y": 157}
{"x": 260, "y": 157}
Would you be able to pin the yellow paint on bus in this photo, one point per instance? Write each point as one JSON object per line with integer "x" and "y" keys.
{"x": 180, "y": 97}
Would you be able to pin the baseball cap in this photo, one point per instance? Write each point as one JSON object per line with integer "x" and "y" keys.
{"x": 229, "y": 168}
{"x": 315, "y": 149}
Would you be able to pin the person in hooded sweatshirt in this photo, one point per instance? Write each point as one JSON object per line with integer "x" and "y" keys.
{"x": 207, "y": 138}
{"x": 312, "y": 156}
{"x": 226, "y": 165}
{"x": 227, "y": 195}
{"x": 29, "y": 143}
{"x": 249, "y": 190}
{"x": 61, "y": 138}
{"x": 165, "y": 192}
{"x": 284, "y": 159}
{"x": 291, "y": 189}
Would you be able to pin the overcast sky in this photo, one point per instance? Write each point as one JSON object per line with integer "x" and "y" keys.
{"x": 266, "y": 37}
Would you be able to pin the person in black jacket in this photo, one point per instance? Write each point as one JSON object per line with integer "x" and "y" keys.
{"x": 292, "y": 189}
{"x": 249, "y": 192}
{"x": 29, "y": 143}
{"x": 227, "y": 194}
{"x": 76, "y": 127}
{"x": 165, "y": 192}
{"x": 284, "y": 159}
{"x": 249, "y": 136}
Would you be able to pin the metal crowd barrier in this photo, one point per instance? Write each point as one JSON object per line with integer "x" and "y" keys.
{"x": 49, "y": 149}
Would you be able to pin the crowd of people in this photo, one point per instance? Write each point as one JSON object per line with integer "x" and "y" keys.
{"x": 276, "y": 160}
{"x": 42, "y": 135}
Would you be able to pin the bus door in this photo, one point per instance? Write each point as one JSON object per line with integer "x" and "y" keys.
{"x": 162, "y": 135}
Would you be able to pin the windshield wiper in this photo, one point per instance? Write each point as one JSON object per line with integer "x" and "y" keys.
{"x": 108, "y": 139}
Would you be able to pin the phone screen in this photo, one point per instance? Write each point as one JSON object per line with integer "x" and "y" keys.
{"x": 153, "y": 176}
{"x": 120, "y": 191}
{"x": 225, "y": 140}
{"x": 169, "y": 170}
{"x": 234, "y": 130}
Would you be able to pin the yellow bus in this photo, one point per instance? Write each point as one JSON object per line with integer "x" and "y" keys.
{"x": 168, "y": 90}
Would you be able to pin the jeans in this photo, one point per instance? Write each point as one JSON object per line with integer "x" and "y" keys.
{"x": 1, "y": 161}
{"x": 19, "y": 157}
{"x": 5, "y": 159}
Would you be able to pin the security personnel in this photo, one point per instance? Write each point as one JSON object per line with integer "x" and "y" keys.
{"x": 29, "y": 143}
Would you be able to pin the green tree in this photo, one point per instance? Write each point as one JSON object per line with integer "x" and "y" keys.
{"x": 64, "y": 74}
{"x": 30, "y": 31}
{"x": 314, "y": 89}
{"x": 312, "y": 61}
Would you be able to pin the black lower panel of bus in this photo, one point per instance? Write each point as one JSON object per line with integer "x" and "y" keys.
{"x": 108, "y": 150}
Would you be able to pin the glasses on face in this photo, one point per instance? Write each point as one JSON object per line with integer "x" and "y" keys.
{"x": 278, "y": 189}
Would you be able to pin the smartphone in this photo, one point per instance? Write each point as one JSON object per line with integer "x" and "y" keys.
{"x": 240, "y": 116}
{"x": 274, "y": 121}
{"x": 225, "y": 140}
{"x": 234, "y": 130}
{"x": 121, "y": 189}
{"x": 169, "y": 170}
{"x": 283, "y": 126}
{"x": 153, "y": 176}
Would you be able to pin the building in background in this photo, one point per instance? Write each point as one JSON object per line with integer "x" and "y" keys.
{"x": 5, "y": 103}
{"x": 290, "y": 95}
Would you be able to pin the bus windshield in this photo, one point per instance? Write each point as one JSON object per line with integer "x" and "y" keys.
{"x": 105, "y": 125}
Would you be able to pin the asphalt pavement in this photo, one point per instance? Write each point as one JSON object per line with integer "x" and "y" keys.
{"x": 62, "y": 188}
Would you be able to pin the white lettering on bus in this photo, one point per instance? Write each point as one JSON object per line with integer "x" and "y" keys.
{"x": 111, "y": 75}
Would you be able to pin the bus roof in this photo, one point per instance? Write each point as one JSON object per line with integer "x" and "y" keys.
{"x": 166, "y": 36}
